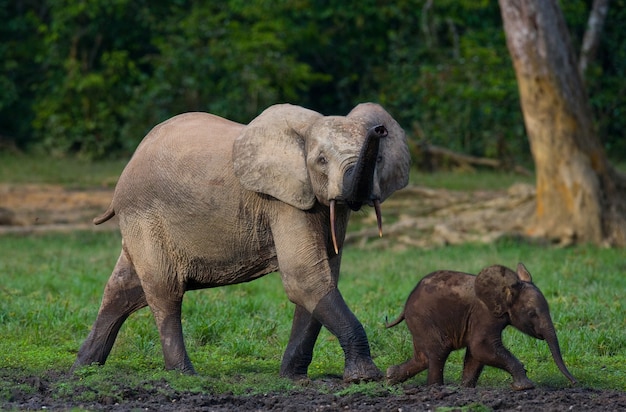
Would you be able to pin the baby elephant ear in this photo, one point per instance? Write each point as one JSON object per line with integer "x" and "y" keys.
{"x": 523, "y": 273}
{"x": 269, "y": 158}
{"x": 497, "y": 286}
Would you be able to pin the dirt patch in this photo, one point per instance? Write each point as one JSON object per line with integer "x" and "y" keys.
{"x": 36, "y": 393}
{"x": 415, "y": 216}
{"x": 31, "y": 208}
{"x": 425, "y": 217}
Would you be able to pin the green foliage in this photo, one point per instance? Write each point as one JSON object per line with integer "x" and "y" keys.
{"x": 19, "y": 70}
{"x": 440, "y": 90}
{"x": 92, "y": 55}
{"x": 225, "y": 58}
{"x": 93, "y": 77}
{"x": 605, "y": 82}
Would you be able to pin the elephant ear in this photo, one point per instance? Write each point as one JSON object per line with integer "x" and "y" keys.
{"x": 523, "y": 273}
{"x": 498, "y": 287}
{"x": 393, "y": 171}
{"x": 269, "y": 158}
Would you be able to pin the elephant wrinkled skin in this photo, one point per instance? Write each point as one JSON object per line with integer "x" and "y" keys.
{"x": 452, "y": 310}
{"x": 206, "y": 202}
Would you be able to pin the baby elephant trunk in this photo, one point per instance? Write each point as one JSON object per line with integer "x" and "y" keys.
{"x": 553, "y": 344}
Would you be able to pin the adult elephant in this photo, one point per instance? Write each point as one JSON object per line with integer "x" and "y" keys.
{"x": 207, "y": 202}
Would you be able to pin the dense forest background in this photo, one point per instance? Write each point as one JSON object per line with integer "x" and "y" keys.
{"x": 92, "y": 77}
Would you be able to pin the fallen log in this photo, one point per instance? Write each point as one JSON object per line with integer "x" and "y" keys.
{"x": 444, "y": 155}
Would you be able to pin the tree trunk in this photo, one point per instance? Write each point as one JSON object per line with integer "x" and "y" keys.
{"x": 580, "y": 197}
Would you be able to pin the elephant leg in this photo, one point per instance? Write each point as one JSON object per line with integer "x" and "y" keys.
{"x": 299, "y": 353}
{"x": 500, "y": 357}
{"x": 436, "y": 363}
{"x": 335, "y": 315}
{"x": 408, "y": 369}
{"x": 167, "y": 311}
{"x": 123, "y": 295}
{"x": 472, "y": 368}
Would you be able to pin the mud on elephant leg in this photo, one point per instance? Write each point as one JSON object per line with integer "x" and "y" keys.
{"x": 299, "y": 353}
{"x": 123, "y": 295}
{"x": 335, "y": 315}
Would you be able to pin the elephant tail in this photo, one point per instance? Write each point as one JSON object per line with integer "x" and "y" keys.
{"x": 395, "y": 322}
{"x": 105, "y": 216}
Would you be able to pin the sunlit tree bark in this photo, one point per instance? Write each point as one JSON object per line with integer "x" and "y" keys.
{"x": 580, "y": 197}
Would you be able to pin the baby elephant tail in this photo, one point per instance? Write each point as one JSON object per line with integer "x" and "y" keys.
{"x": 104, "y": 217}
{"x": 395, "y": 322}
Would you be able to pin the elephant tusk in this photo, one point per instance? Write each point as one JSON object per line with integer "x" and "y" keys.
{"x": 332, "y": 225}
{"x": 379, "y": 218}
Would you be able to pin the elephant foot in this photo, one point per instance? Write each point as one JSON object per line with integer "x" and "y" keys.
{"x": 295, "y": 368}
{"x": 395, "y": 375}
{"x": 185, "y": 368}
{"x": 187, "y": 371}
{"x": 78, "y": 364}
{"x": 296, "y": 377}
{"x": 363, "y": 371}
{"x": 402, "y": 372}
{"x": 522, "y": 384}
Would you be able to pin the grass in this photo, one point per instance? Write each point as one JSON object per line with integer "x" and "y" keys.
{"x": 52, "y": 285}
{"x": 468, "y": 180}
{"x": 71, "y": 172}
{"x": 235, "y": 335}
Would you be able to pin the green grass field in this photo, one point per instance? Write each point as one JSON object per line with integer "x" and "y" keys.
{"x": 52, "y": 284}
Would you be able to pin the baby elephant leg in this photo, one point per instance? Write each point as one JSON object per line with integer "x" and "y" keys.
{"x": 436, "y": 363}
{"x": 500, "y": 357}
{"x": 472, "y": 369}
{"x": 408, "y": 369}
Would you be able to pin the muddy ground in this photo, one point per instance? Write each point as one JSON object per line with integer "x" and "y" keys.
{"x": 318, "y": 396}
{"x": 416, "y": 217}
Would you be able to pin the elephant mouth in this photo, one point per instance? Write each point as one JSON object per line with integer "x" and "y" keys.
{"x": 354, "y": 206}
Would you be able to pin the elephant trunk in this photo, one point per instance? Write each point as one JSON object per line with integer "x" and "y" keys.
{"x": 555, "y": 350}
{"x": 358, "y": 180}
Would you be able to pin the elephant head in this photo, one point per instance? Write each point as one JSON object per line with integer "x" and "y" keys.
{"x": 511, "y": 294}
{"x": 301, "y": 157}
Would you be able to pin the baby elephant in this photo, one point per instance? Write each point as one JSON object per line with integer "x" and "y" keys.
{"x": 452, "y": 310}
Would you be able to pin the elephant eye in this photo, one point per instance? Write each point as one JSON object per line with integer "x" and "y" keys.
{"x": 379, "y": 159}
{"x": 322, "y": 160}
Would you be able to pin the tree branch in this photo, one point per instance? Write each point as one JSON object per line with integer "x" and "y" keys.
{"x": 591, "y": 39}
{"x": 431, "y": 151}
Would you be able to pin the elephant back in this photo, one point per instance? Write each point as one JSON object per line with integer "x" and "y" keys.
{"x": 440, "y": 291}
{"x": 174, "y": 161}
